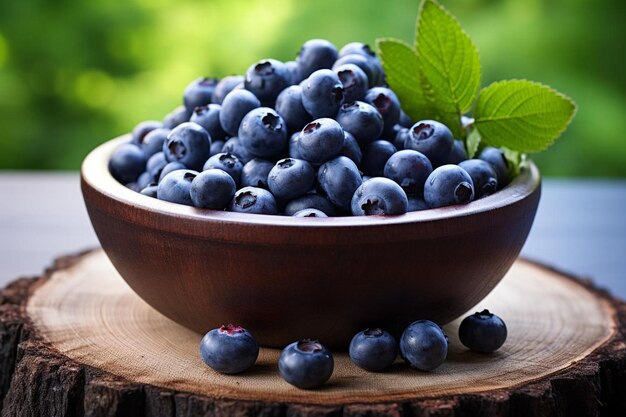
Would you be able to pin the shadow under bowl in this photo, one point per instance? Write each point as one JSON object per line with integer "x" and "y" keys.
{"x": 288, "y": 278}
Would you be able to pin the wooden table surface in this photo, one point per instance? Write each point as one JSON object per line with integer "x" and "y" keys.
{"x": 580, "y": 226}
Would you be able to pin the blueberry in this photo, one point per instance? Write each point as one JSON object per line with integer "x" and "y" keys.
{"x": 144, "y": 180}
{"x": 306, "y": 364}
{"x": 373, "y": 349}
{"x": 170, "y": 167}
{"x": 351, "y": 148}
{"x": 234, "y": 146}
{"x": 235, "y": 106}
{"x": 457, "y": 154}
{"x": 153, "y": 141}
{"x": 314, "y": 55}
{"x": 199, "y": 93}
{"x": 216, "y": 146}
{"x": 416, "y": 204}
{"x": 358, "y": 48}
{"x": 266, "y": 79}
{"x": 310, "y": 201}
{"x": 362, "y": 120}
{"x": 339, "y": 178}
{"x": 482, "y": 332}
{"x": 189, "y": 144}
{"x": 431, "y": 138}
{"x": 175, "y": 186}
{"x": 209, "y": 118}
{"x": 150, "y": 191}
{"x": 448, "y": 185}
{"x": 309, "y": 212}
{"x": 401, "y": 136}
{"x": 322, "y": 94}
{"x": 229, "y": 349}
{"x": 294, "y": 152}
{"x": 405, "y": 121}
{"x": 127, "y": 163}
{"x": 387, "y": 104}
{"x": 320, "y": 140}
{"x": 142, "y": 129}
{"x": 228, "y": 163}
{"x": 379, "y": 195}
{"x": 409, "y": 169}
{"x": 263, "y": 133}
{"x": 253, "y": 200}
{"x": 289, "y": 106}
{"x": 155, "y": 165}
{"x": 225, "y": 86}
{"x": 212, "y": 189}
{"x": 498, "y": 161}
{"x": 483, "y": 175}
{"x": 376, "y": 155}
{"x": 371, "y": 67}
{"x": 291, "y": 178}
{"x": 354, "y": 81}
{"x": 423, "y": 345}
{"x": 176, "y": 117}
{"x": 294, "y": 71}
{"x": 255, "y": 172}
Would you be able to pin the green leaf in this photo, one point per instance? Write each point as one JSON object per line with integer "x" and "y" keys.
{"x": 472, "y": 142}
{"x": 449, "y": 63}
{"x": 521, "y": 115}
{"x": 514, "y": 159}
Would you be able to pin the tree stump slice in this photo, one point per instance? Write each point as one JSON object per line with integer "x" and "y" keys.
{"x": 78, "y": 342}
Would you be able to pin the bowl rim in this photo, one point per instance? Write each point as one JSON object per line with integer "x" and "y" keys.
{"x": 95, "y": 174}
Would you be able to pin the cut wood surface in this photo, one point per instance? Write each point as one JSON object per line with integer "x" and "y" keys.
{"x": 78, "y": 341}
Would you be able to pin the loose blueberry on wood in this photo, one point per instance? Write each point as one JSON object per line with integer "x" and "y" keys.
{"x": 229, "y": 349}
{"x": 373, "y": 349}
{"x": 306, "y": 364}
{"x": 483, "y": 332}
{"x": 423, "y": 345}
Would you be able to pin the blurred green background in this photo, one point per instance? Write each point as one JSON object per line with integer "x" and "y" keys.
{"x": 74, "y": 73}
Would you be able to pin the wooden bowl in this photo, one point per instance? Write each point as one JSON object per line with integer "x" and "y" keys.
{"x": 288, "y": 278}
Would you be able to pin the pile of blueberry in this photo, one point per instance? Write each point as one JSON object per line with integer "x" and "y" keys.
{"x": 308, "y": 364}
{"x": 316, "y": 137}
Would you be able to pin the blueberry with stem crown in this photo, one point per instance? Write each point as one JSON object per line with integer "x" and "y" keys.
{"x": 229, "y": 349}
{"x": 306, "y": 364}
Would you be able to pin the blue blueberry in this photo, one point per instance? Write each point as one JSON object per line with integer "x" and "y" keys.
{"x": 358, "y": 48}
{"x": 189, "y": 144}
{"x": 457, "y": 154}
{"x": 405, "y": 121}
{"x": 253, "y": 200}
{"x": 354, "y": 81}
{"x": 291, "y": 178}
{"x": 339, "y": 178}
{"x": 150, "y": 191}
{"x": 483, "y": 175}
{"x": 235, "y": 106}
{"x": 483, "y": 332}
{"x": 416, "y": 204}
{"x": 127, "y": 163}
{"x": 175, "y": 187}
{"x": 228, "y": 163}
{"x": 294, "y": 151}
{"x": 155, "y": 165}
{"x": 409, "y": 169}
{"x": 153, "y": 141}
{"x": 306, "y": 364}
{"x": 376, "y": 155}
{"x": 322, "y": 94}
{"x": 423, "y": 345}
{"x": 142, "y": 129}
{"x": 266, "y": 79}
{"x": 263, "y": 133}
{"x": 378, "y": 196}
{"x": 216, "y": 146}
{"x": 401, "y": 135}
{"x": 209, "y": 118}
{"x": 170, "y": 167}
{"x": 310, "y": 201}
{"x": 498, "y": 161}
{"x": 289, "y": 106}
{"x": 371, "y": 67}
{"x": 351, "y": 148}
{"x": 255, "y": 172}
{"x": 144, "y": 180}
{"x": 314, "y": 55}
{"x": 212, "y": 189}
{"x": 229, "y": 349}
{"x": 387, "y": 104}
{"x": 176, "y": 117}
{"x": 431, "y": 138}
{"x": 373, "y": 349}
{"x": 362, "y": 120}
{"x": 320, "y": 140}
{"x": 234, "y": 146}
{"x": 294, "y": 71}
{"x": 225, "y": 86}
{"x": 448, "y": 185}
{"x": 199, "y": 92}
{"x": 309, "y": 212}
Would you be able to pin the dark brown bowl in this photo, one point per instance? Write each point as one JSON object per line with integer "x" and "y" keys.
{"x": 289, "y": 278}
